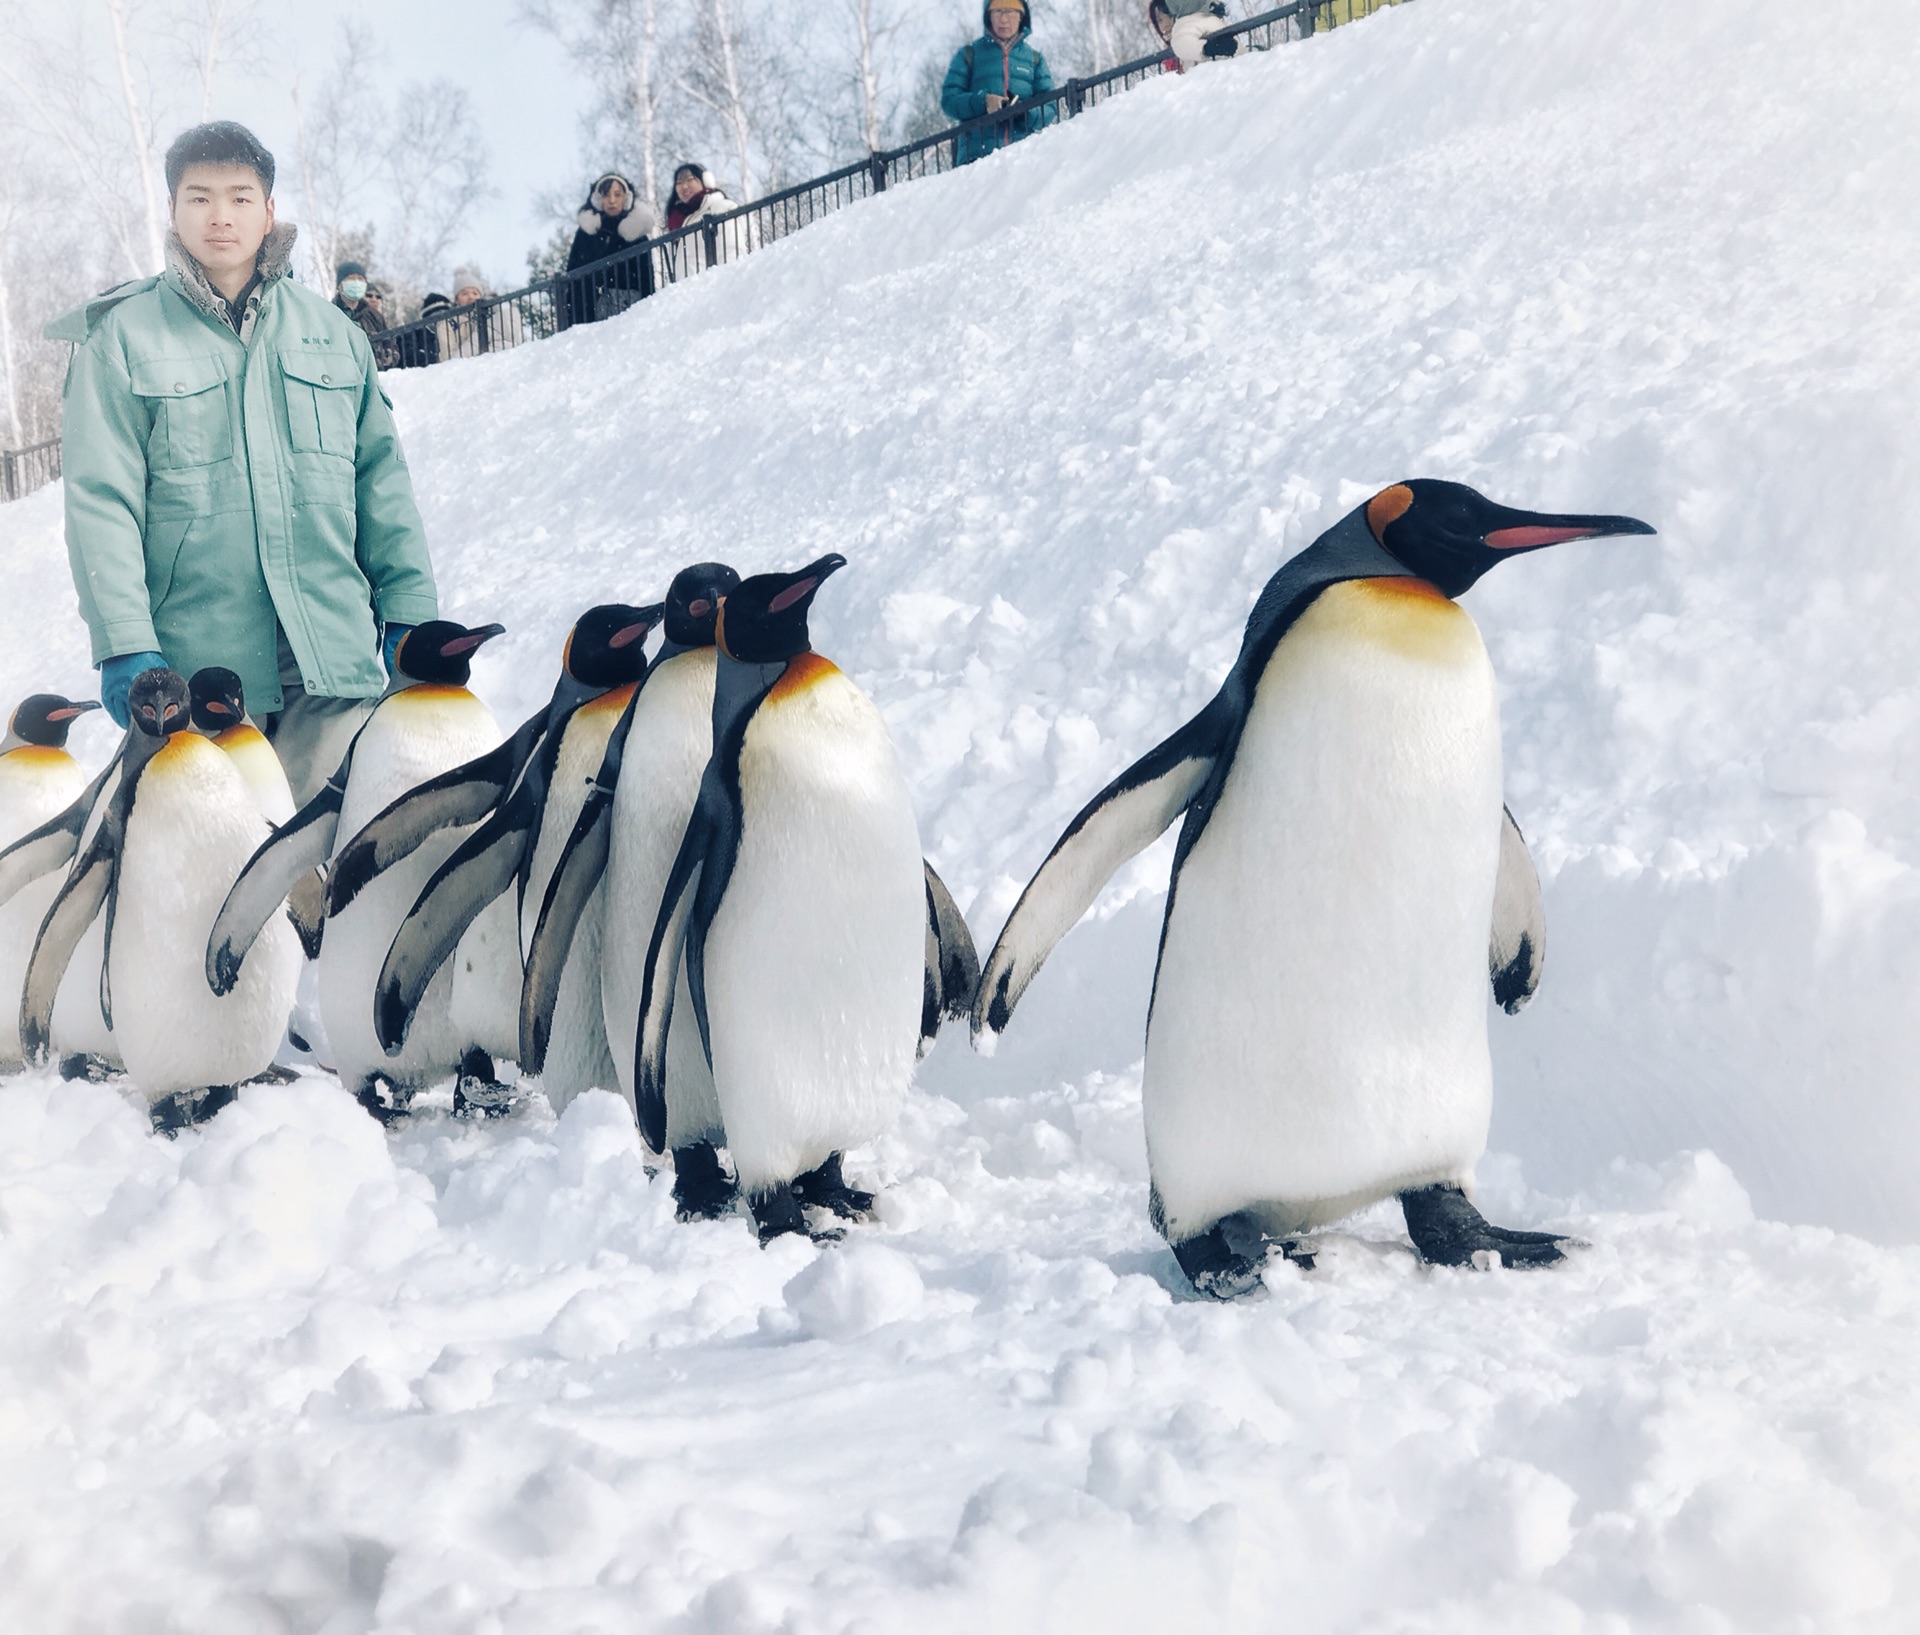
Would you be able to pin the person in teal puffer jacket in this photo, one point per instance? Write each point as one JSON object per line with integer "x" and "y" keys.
{"x": 999, "y": 68}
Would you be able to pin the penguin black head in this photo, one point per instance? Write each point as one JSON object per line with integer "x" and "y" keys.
{"x": 442, "y": 651}
{"x": 219, "y": 701}
{"x": 765, "y": 617}
{"x": 1449, "y": 534}
{"x": 694, "y": 598}
{"x": 607, "y": 645}
{"x": 45, "y": 718}
{"x": 159, "y": 704}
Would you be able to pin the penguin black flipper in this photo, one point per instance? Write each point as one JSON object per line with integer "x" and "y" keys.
{"x": 582, "y": 862}
{"x": 307, "y": 910}
{"x": 1517, "y": 948}
{"x": 454, "y": 799}
{"x": 77, "y": 905}
{"x": 953, "y": 965}
{"x": 272, "y": 873}
{"x": 483, "y": 867}
{"x": 1118, "y": 823}
{"x": 685, "y": 885}
{"x": 42, "y": 851}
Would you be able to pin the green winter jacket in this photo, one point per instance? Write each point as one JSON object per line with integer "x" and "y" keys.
{"x": 218, "y": 486}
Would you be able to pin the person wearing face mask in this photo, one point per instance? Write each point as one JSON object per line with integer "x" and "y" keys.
{"x": 351, "y": 289}
{"x": 996, "y": 72}
{"x": 613, "y": 219}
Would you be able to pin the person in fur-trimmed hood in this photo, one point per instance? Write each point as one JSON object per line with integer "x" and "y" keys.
{"x": 236, "y": 494}
{"x": 613, "y": 219}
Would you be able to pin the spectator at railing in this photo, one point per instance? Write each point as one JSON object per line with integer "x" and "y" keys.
{"x": 468, "y": 287}
{"x": 994, "y": 73}
{"x": 613, "y": 219}
{"x": 354, "y": 294}
{"x": 1189, "y": 26}
{"x": 695, "y": 199}
{"x": 419, "y": 345}
{"x": 465, "y": 323}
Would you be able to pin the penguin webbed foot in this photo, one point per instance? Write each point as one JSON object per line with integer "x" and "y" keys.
{"x": 1447, "y": 1230}
{"x": 384, "y": 1099}
{"x": 777, "y": 1212}
{"x": 276, "y": 1074}
{"x": 702, "y": 1188}
{"x": 477, "y": 1092}
{"x": 183, "y": 1109}
{"x": 826, "y": 1188}
{"x": 87, "y": 1069}
{"x": 1225, "y": 1261}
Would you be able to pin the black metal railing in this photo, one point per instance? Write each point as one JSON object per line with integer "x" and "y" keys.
{"x": 497, "y": 323}
{"x": 22, "y": 470}
{"x": 608, "y": 287}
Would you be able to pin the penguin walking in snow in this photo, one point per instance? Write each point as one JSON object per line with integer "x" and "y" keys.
{"x": 602, "y": 895}
{"x": 1316, "y": 1038}
{"x": 799, "y": 899}
{"x": 220, "y": 713}
{"x": 537, "y": 780}
{"x": 176, "y": 832}
{"x": 39, "y": 781}
{"x": 428, "y": 723}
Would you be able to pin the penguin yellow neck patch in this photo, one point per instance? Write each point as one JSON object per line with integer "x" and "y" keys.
{"x": 182, "y": 747}
{"x": 1406, "y": 615}
{"x": 611, "y": 702}
{"x": 801, "y": 673}
{"x": 432, "y": 692}
{"x": 39, "y": 755}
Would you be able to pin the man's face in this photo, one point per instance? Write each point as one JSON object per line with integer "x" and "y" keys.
{"x": 1005, "y": 21}
{"x": 223, "y": 216}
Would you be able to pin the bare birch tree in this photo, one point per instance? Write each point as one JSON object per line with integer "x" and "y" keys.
{"x": 876, "y": 26}
{"x": 336, "y": 134}
{"x": 436, "y": 169}
{"x": 616, "y": 45}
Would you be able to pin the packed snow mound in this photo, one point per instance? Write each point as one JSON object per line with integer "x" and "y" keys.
{"x": 1065, "y": 411}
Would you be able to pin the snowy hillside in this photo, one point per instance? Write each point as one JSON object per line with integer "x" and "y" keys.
{"x": 1065, "y": 412}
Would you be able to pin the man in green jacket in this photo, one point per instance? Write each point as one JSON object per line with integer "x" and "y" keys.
{"x": 235, "y": 489}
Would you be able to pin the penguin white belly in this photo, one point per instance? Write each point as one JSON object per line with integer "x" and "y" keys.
{"x": 668, "y": 747}
{"x": 414, "y": 735}
{"x": 78, "y": 1027}
{"x": 577, "y": 1055}
{"x": 36, "y": 783}
{"x": 191, "y": 831}
{"x": 1318, "y": 1033}
{"x": 815, "y": 957}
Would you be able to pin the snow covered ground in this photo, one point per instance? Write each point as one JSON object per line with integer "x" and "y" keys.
{"x": 1065, "y": 412}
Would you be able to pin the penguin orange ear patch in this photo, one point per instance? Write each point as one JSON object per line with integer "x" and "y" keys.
{"x": 1389, "y": 505}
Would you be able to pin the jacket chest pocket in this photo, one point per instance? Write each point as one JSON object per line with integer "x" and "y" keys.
{"x": 323, "y": 403}
{"x": 192, "y": 424}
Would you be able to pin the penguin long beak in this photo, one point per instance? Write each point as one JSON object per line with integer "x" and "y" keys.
{"x": 1534, "y": 530}
{"x": 807, "y": 580}
{"x": 476, "y": 637}
{"x": 627, "y": 635}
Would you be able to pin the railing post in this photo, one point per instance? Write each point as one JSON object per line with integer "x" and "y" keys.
{"x": 710, "y": 234}
{"x": 877, "y": 169}
{"x": 6, "y": 477}
{"x": 1076, "y": 98}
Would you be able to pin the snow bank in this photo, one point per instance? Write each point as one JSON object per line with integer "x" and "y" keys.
{"x": 1065, "y": 411}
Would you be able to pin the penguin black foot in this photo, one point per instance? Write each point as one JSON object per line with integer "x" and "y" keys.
{"x": 1224, "y": 1261}
{"x": 1448, "y": 1231}
{"x": 702, "y": 1189}
{"x": 776, "y": 1213}
{"x": 384, "y": 1099}
{"x": 826, "y": 1188}
{"x": 275, "y": 1075}
{"x": 186, "y": 1108}
{"x": 87, "y": 1069}
{"x": 476, "y": 1092}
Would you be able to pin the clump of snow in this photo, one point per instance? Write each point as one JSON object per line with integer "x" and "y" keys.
{"x": 1064, "y": 412}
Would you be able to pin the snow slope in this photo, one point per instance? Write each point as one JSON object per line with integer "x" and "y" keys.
{"x": 1065, "y": 412}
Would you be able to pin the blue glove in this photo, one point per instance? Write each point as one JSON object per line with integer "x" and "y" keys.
{"x": 116, "y": 680}
{"x": 390, "y": 644}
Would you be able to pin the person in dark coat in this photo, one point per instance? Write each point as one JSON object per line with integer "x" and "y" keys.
{"x": 993, "y": 73}
{"x": 613, "y": 219}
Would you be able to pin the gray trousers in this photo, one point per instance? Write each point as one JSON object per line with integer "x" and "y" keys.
{"x": 309, "y": 733}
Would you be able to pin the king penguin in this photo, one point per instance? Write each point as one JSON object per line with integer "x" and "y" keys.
{"x": 175, "y": 834}
{"x": 39, "y": 780}
{"x": 538, "y": 781}
{"x": 220, "y": 712}
{"x": 603, "y": 891}
{"x": 798, "y": 895}
{"x": 428, "y": 723}
{"x": 1316, "y": 1037}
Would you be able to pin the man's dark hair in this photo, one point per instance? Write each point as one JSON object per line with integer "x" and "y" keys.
{"x": 221, "y": 143}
